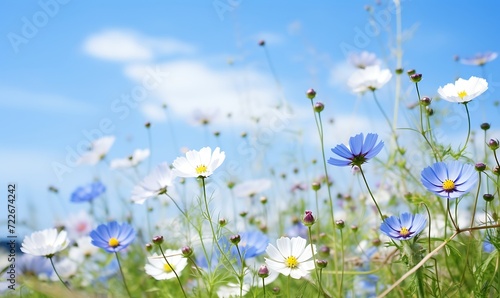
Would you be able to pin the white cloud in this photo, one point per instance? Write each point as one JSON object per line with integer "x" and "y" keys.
{"x": 153, "y": 112}
{"x": 126, "y": 46}
{"x": 192, "y": 85}
{"x": 20, "y": 99}
{"x": 340, "y": 74}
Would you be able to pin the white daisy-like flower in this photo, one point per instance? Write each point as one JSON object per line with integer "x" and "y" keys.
{"x": 292, "y": 257}
{"x": 463, "y": 91}
{"x": 83, "y": 250}
{"x": 133, "y": 160}
{"x": 160, "y": 269}
{"x": 97, "y": 151}
{"x": 251, "y": 187}
{"x": 154, "y": 184}
{"x": 199, "y": 163}
{"x": 363, "y": 59}
{"x": 79, "y": 224}
{"x": 370, "y": 78}
{"x": 203, "y": 117}
{"x": 45, "y": 243}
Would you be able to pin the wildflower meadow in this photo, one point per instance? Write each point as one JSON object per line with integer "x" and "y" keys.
{"x": 396, "y": 196}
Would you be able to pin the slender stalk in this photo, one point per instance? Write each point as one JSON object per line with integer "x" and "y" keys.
{"x": 371, "y": 194}
{"x": 451, "y": 217}
{"x": 123, "y": 276}
{"x": 264, "y": 287}
{"x": 58, "y": 276}
{"x": 242, "y": 273}
{"x": 468, "y": 129}
{"x": 475, "y": 201}
{"x": 343, "y": 261}
{"x": 173, "y": 270}
{"x": 314, "y": 260}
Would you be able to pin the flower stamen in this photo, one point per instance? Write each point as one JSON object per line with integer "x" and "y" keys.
{"x": 404, "y": 232}
{"x": 291, "y": 262}
{"x": 201, "y": 169}
{"x": 448, "y": 185}
{"x": 168, "y": 268}
{"x": 113, "y": 242}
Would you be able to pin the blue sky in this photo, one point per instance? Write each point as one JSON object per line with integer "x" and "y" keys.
{"x": 67, "y": 65}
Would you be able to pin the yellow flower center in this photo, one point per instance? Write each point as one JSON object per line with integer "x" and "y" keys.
{"x": 201, "y": 169}
{"x": 291, "y": 262}
{"x": 462, "y": 94}
{"x": 404, "y": 232}
{"x": 113, "y": 242}
{"x": 448, "y": 185}
{"x": 167, "y": 268}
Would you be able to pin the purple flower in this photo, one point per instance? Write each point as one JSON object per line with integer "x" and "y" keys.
{"x": 88, "y": 192}
{"x": 360, "y": 151}
{"x": 405, "y": 227}
{"x": 112, "y": 236}
{"x": 479, "y": 59}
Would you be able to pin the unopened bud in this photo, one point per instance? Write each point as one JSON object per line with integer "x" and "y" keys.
{"x": 157, "y": 240}
{"x": 485, "y": 126}
{"x": 480, "y": 167}
{"x": 311, "y": 94}
{"x": 308, "y": 219}
{"x": 321, "y": 263}
{"x": 416, "y": 77}
{"x": 425, "y": 101}
{"x": 235, "y": 239}
{"x": 263, "y": 271}
{"x": 319, "y": 107}
{"x": 187, "y": 251}
{"x": 488, "y": 197}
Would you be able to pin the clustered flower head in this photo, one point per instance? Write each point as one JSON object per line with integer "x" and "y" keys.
{"x": 361, "y": 150}
{"x": 45, "y": 243}
{"x": 292, "y": 257}
{"x": 463, "y": 91}
{"x": 404, "y": 227}
{"x": 113, "y": 236}
{"x": 199, "y": 163}
{"x": 449, "y": 180}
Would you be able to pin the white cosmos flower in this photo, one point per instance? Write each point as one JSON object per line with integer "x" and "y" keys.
{"x": 292, "y": 257}
{"x": 154, "y": 184}
{"x": 83, "y": 250}
{"x": 133, "y": 160}
{"x": 97, "y": 151}
{"x": 250, "y": 188}
{"x": 79, "y": 224}
{"x": 370, "y": 78}
{"x": 463, "y": 91}
{"x": 233, "y": 290}
{"x": 363, "y": 59}
{"x": 199, "y": 163}
{"x": 160, "y": 269}
{"x": 45, "y": 243}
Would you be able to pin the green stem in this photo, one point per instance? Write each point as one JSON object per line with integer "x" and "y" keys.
{"x": 342, "y": 265}
{"x": 468, "y": 130}
{"x": 58, "y": 276}
{"x": 173, "y": 270}
{"x": 314, "y": 260}
{"x": 123, "y": 276}
{"x": 371, "y": 194}
{"x": 242, "y": 273}
{"x": 475, "y": 201}
{"x": 420, "y": 282}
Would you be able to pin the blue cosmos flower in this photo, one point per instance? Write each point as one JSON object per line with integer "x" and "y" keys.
{"x": 297, "y": 230}
{"x": 360, "y": 151}
{"x": 449, "y": 180}
{"x": 405, "y": 227}
{"x": 112, "y": 236}
{"x": 487, "y": 246}
{"x": 88, "y": 192}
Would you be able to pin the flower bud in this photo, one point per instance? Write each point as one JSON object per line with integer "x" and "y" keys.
{"x": 340, "y": 224}
{"x": 376, "y": 242}
{"x": 53, "y": 189}
{"x": 425, "y": 101}
{"x": 157, "y": 240}
{"x": 235, "y": 239}
{"x": 149, "y": 247}
{"x": 319, "y": 107}
{"x": 262, "y": 42}
{"x": 480, "y": 167}
{"x": 485, "y": 126}
{"x": 263, "y": 271}
{"x": 216, "y": 133}
{"x": 276, "y": 290}
{"x": 493, "y": 144}
{"x": 354, "y": 228}
{"x": 316, "y": 186}
{"x": 263, "y": 200}
{"x": 147, "y": 124}
{"x": 429, "y": 111}
{"x": 321, "y": 263}
{"x": 488, "y": 197}
{"x": 231, "y": 184}
{"x": 496, "y": 170}
{"x": 399, "y": 71}
{"x": 243, "y": 213}
{"x": 311, "y": 94}
{"x": 187, "y": 251}
{"x": 411, "y": 72}
{"x": 308, "y": 219}
{"x": 222, "y": 222}
{"x": 416, "y": 77}
{"x": 324, "y": 250}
